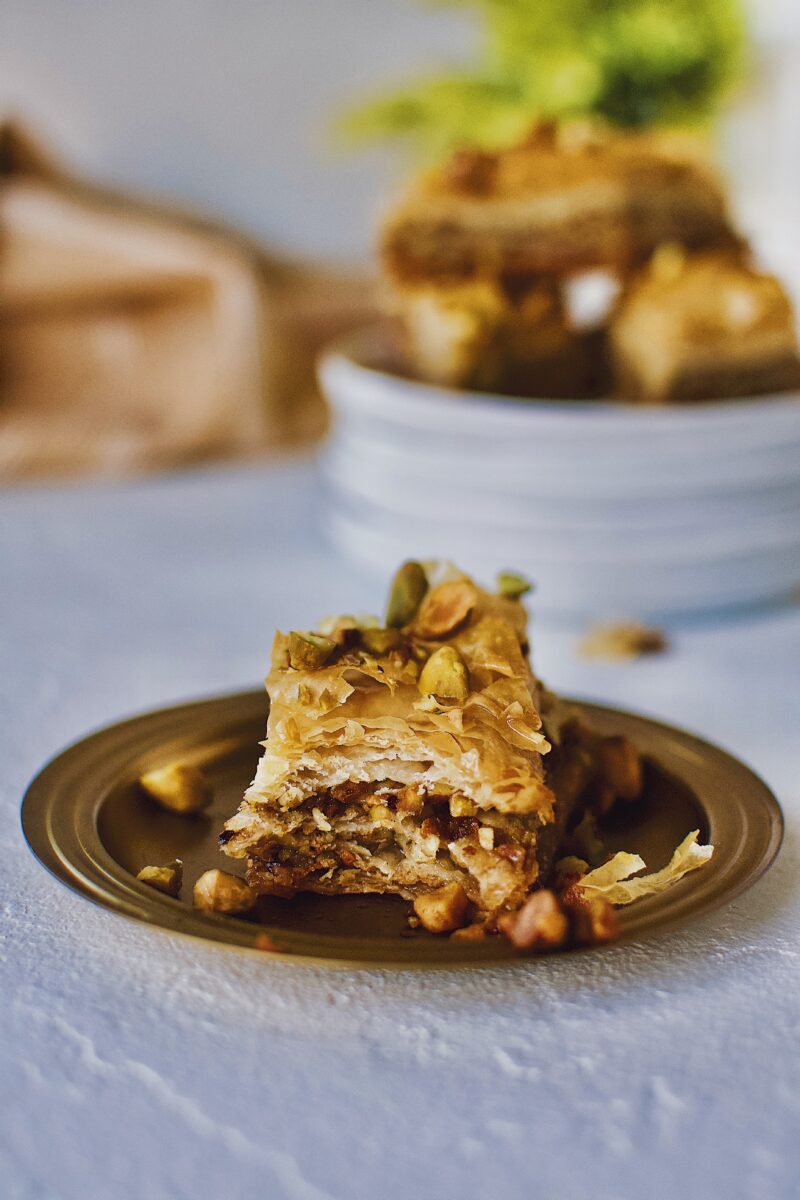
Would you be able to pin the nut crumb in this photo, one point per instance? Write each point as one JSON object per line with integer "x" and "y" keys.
{"x": 220, "y": 892}
{"x": 623, "y": 639}
{"x": 444, "y": 910}
{"x": 592, "y": 918}
{"x": 539, "y": 924}
{"x": 166, "y": 879}
{"x": 470, "y": 933}
{"x": 178, "y": 788}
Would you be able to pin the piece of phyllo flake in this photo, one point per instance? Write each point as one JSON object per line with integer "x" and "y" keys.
{"x": 410, "y": 757}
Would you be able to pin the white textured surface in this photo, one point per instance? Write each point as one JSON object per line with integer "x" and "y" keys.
{"x": 134, "y": 1065}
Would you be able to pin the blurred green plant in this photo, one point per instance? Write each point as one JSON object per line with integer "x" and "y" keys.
{"x": 633, "y": 62}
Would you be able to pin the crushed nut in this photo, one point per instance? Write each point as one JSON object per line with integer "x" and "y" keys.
{"x": 320, "y": 820}
{"x": 166, "y": 879}
{"x": 512, "y": 585}
{"x": 220, "y": 892}
{"x": 444, "y": 910}
{"x": 592, "y": 918}
{"x": 539, "y": 924}
{"x": 445, "y": 675}
{"x": 405, "y": 596}
{"x": 446, "y": 608}
{"x": 462, "y": 806}
{"x": 486, "y": 837}
{"x": 178, "y": 787}
{"x": 309, "y": 651}
{"x": 410, "y": 799}
{"x": 624, "y": 639}
{"x": 379, "y": 812}
{"x": 469, "y": 933}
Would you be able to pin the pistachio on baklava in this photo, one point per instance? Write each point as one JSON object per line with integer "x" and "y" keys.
{"x": 419, "y": 756}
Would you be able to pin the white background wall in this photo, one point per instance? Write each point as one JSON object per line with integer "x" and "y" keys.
{"x": 228, "y": 104}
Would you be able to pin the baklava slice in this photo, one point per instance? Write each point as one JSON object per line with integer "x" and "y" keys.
{"x": 703, "y": 327}
{"x": 506, "y": 335}
{"x": 564, "y": 200}
{"x": 410, "y": 757}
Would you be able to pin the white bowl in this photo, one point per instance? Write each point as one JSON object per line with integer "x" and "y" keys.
{"x": 609, "y": 507}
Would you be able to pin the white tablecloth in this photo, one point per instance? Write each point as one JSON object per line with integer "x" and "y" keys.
{"x": 138, "y": 1065}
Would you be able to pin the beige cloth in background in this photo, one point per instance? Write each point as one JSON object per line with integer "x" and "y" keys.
{"x": 133, "y": 338}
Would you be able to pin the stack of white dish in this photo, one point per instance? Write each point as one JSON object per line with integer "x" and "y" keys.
{"x": 613, "y": 510}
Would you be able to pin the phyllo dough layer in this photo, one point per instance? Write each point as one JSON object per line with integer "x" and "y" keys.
{"x": 404, "y": 757}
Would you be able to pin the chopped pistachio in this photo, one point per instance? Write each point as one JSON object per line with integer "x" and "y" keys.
{"x": 166, "y": 879}
{"x": 446, "y": 608}
{"x": 405, "y": 596}
{"x": 178, "y": 787}
{"x": 445, "y": 675}
{"x": 309, "y": 651}
{"x": 380, "y": 641}
{"x": 512, "y": 585}
{"x": 220, "y": 892}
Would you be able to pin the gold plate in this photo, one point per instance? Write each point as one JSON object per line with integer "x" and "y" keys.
{"x": 87, "y": 822}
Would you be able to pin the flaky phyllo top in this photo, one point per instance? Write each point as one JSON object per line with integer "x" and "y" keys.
{"x": 441, "y": 696}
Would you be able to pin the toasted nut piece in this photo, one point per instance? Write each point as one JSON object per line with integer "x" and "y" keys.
{"x": 540, "y": 924}
{"x": 443, "y": 910}
{"x": 309, "y": 651}
{"x": 444, "y": 675}
{"x": 379, "y": 812}
{"x": 462, "y": 806}
{"x": 219, "y": 892}
{"x": 405, "y": 596}
{"x": 486, "y": 837}
{"x": 446, "y": 607}
{"x": 410, "y": 799}
{"x": 512, "y": 585}
{"x": 592, "y": 918}
{"x": 178, "y": 787}
{"x": 620, "y": 766}
{"x": 568, "y": 871}
{"x": 381, "y": 641}
{"x": 166, "y": 879}
{"x": 470, "y": 933}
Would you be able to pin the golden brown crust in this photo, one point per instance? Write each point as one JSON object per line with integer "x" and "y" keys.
{"x": 554, "y": 204}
